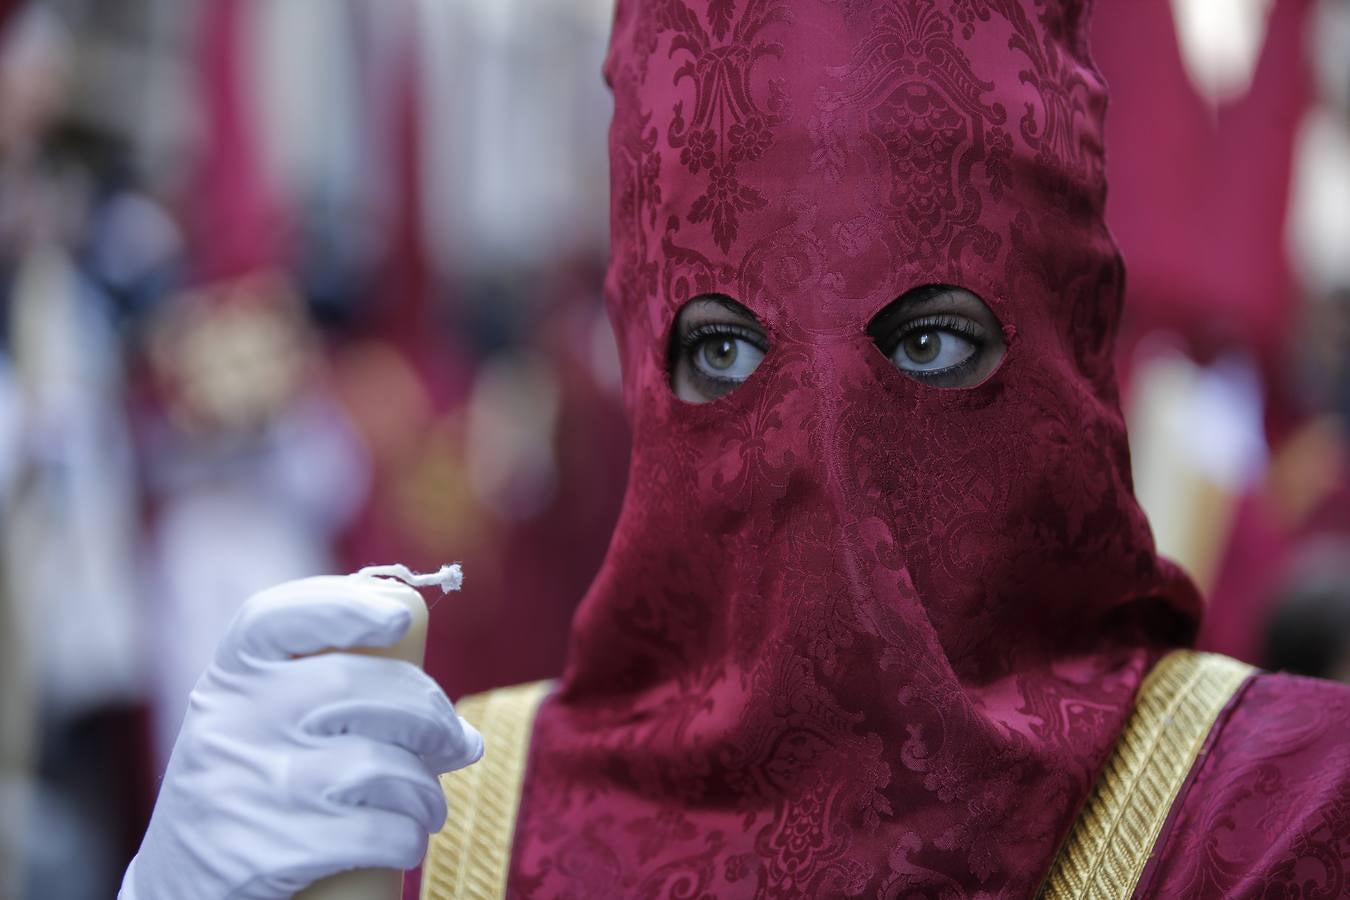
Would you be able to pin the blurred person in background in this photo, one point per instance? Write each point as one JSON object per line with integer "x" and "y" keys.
{"x": 239, "y": 433}
{"x": 881, "y": 615}
{"x": 81, "y": 252}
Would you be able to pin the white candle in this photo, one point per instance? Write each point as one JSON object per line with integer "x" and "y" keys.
{"x": 387, "y": 884}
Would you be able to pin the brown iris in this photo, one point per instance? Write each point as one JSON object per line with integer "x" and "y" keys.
{"x": 715, "y": 345}
{"x": 720, "y": 354}
{"x": 922, "y": 346}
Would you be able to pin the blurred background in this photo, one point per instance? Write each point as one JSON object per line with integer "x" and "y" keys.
{"x": 290, "y": 287}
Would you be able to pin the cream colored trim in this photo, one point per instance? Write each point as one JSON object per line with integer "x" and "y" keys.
{"x": 470, "y": 858}
{"x": 1110, "y": 844}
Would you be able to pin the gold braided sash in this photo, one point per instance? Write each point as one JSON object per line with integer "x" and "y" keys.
{"x": 1110, "y": 844}
{"x": 469, "y": 858}
{"x": 1102, "y": 858}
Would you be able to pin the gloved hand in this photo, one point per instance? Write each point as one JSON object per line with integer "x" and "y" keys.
{"x": 290, "y": 766}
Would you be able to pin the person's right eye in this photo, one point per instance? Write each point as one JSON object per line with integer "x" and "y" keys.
{"x": 723, "y": 353}
{"x": 717, "y": 344}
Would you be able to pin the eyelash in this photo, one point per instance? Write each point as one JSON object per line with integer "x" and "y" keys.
{"x": 718, "y": 329}
{"x": 958, "y": 325}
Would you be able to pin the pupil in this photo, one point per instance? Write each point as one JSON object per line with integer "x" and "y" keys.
{"x": 720, "y": 353}
{"x": 923, "y": 347}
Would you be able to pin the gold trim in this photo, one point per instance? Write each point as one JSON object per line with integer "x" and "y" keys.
{"x": 1113, "y": 838}
{"x": 470, "y": 857}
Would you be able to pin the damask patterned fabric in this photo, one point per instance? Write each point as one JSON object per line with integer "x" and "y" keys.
{"x": 1266, "y": 809}
{"x": 855, "y": 635}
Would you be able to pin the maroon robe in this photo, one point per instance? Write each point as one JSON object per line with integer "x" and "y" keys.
{"x": 1265, "y": 811}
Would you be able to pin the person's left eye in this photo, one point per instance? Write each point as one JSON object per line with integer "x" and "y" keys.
{"x": 934, "y": 347}
{"x": 941, "y": 335}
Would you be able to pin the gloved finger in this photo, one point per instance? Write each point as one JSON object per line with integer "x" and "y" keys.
{"x": 471, "y": 753}
{"x": 444, "y": 744}
{"x": 307, "y": 616}
{"x": 394, "y": 702}
{"x": 355, "y": 773}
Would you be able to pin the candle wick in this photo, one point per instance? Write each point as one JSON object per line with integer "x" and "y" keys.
{"x": 449, "y": 578}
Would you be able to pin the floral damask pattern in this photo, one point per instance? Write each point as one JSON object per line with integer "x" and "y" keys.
{"x": 855, "y": 635}
{"x": 728, "y": 124}
{"x": 924, "y": 111}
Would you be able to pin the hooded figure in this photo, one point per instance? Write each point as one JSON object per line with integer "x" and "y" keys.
{"x": 881, "y": 617}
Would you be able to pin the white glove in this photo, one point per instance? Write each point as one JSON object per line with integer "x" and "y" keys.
{"x": 290, "y": 767}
